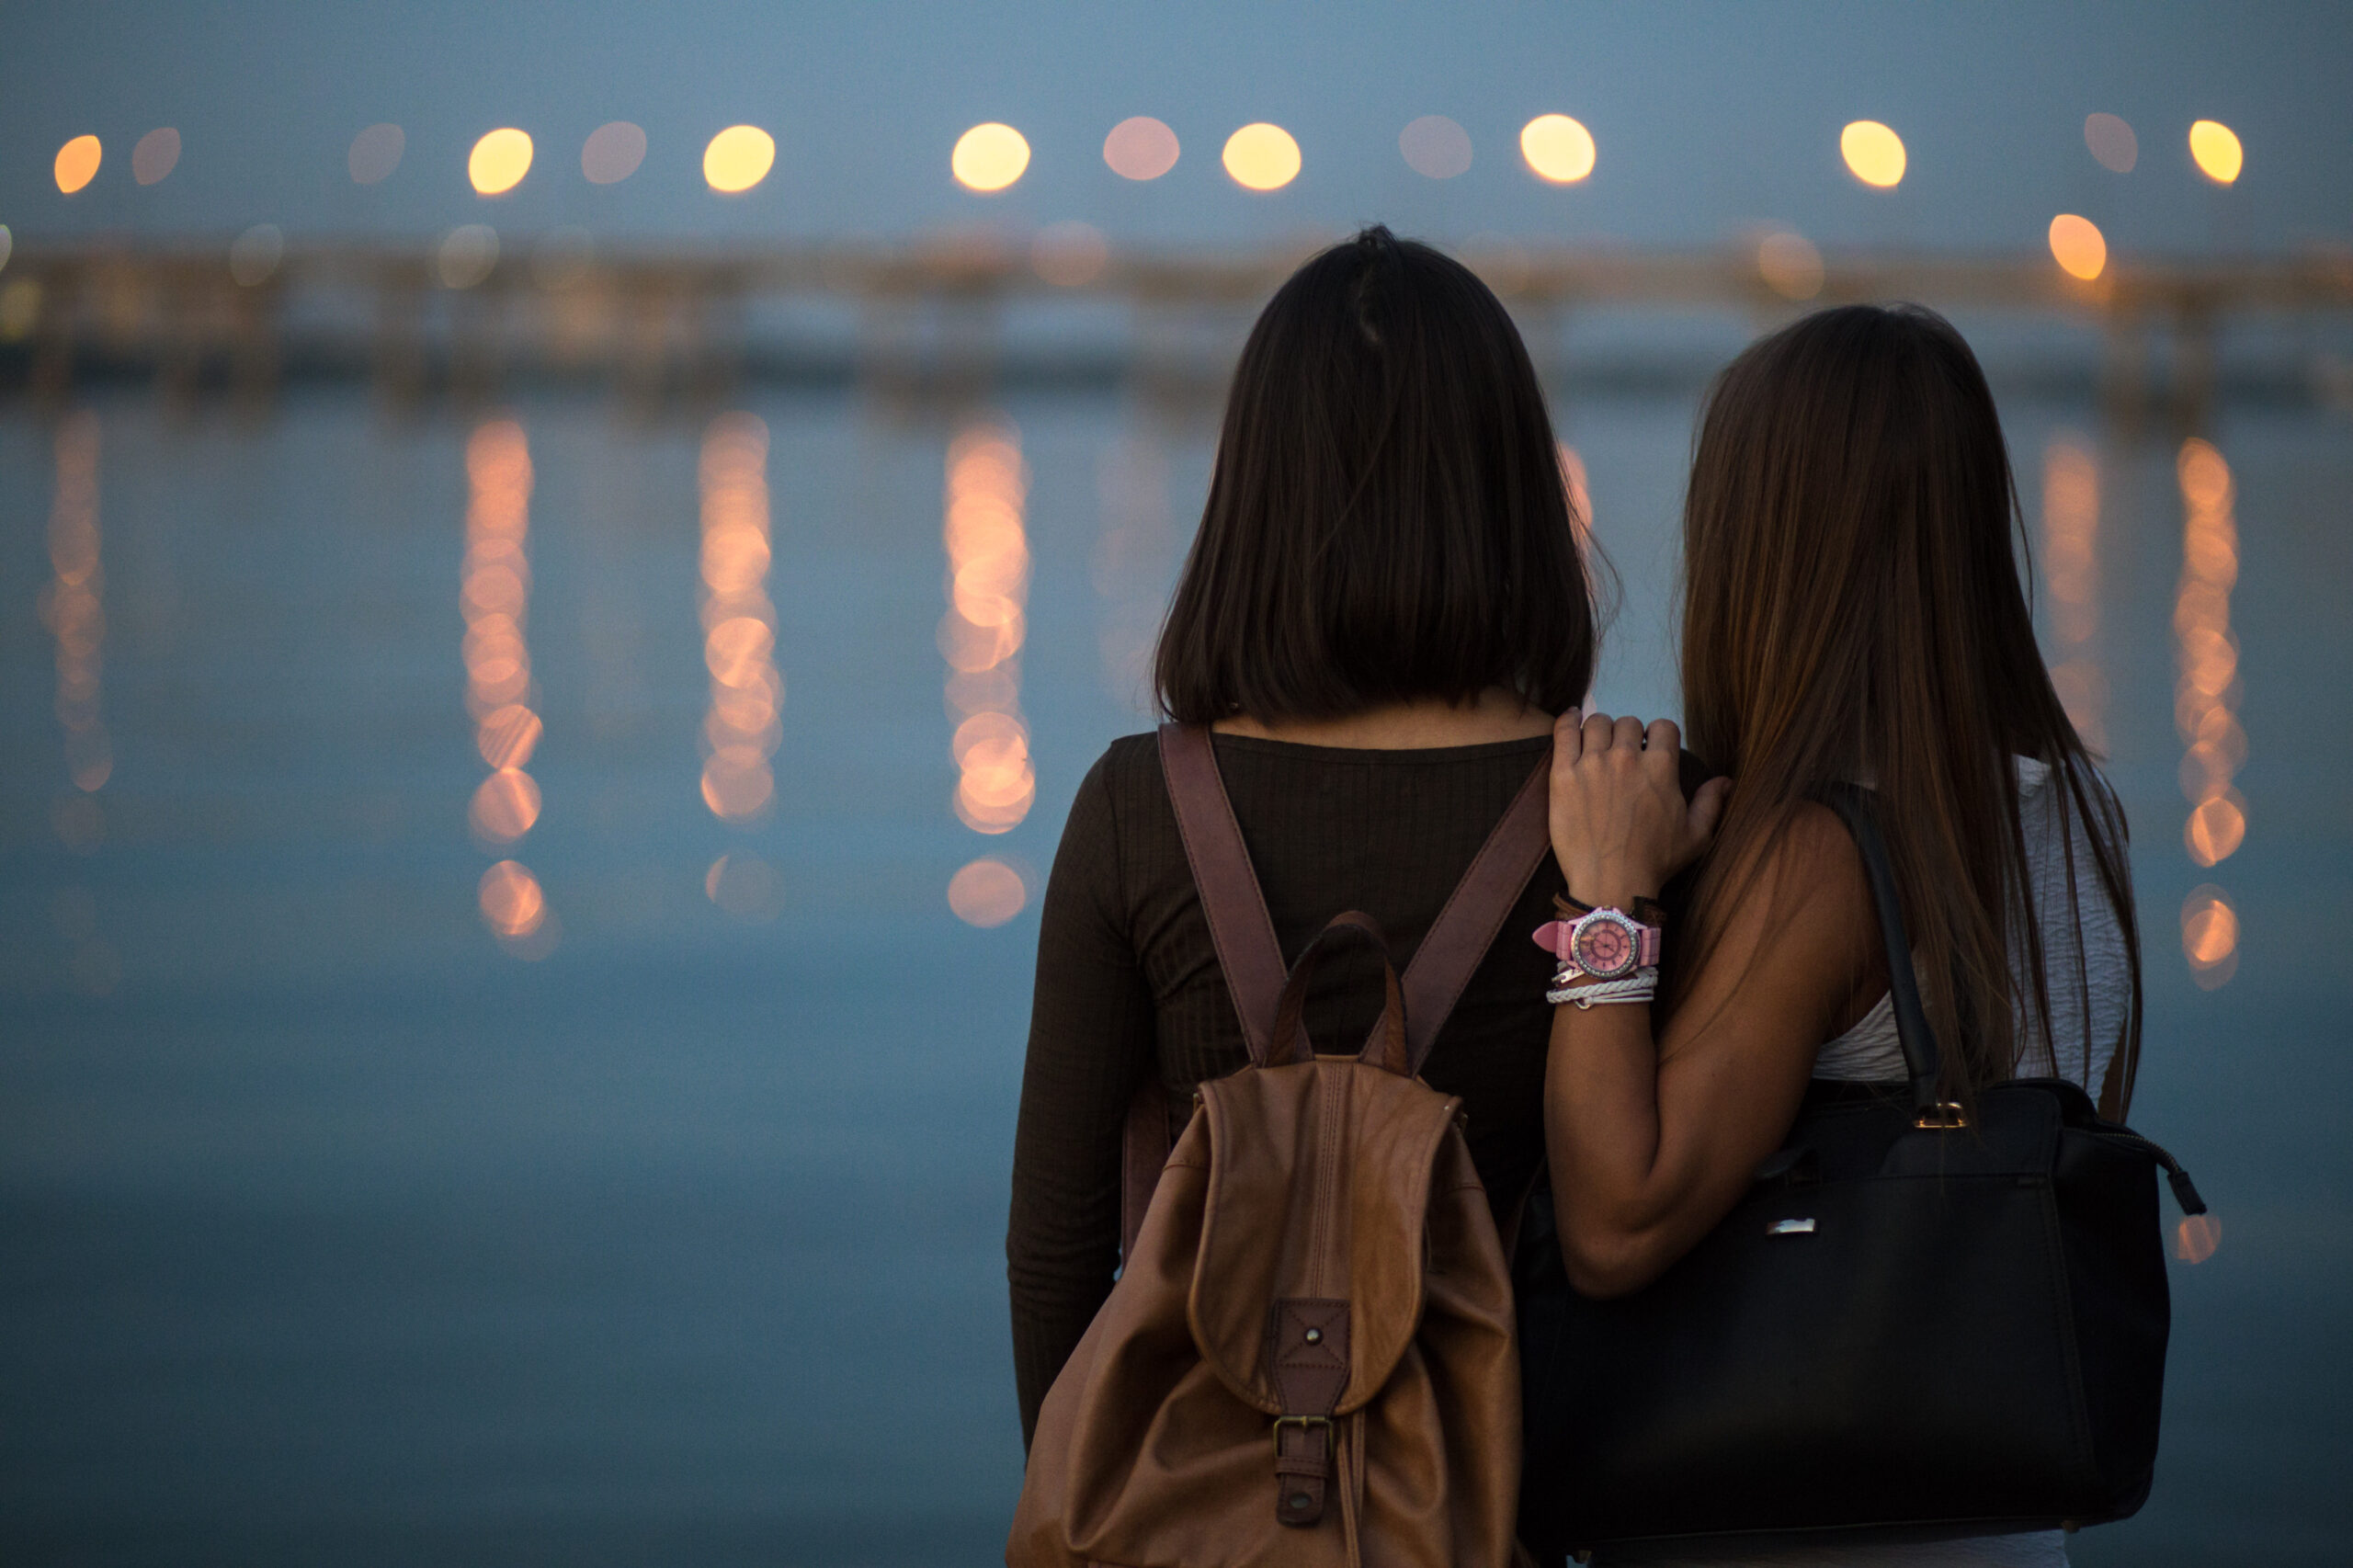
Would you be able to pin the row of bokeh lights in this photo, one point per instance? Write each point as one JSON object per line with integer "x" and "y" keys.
{"x": 993, "y": 157}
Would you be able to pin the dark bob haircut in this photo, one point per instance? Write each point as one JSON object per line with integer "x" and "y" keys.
{"x": 1388, "y": 521}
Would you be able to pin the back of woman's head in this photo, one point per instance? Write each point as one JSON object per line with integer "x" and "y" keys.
{"x": 1853, "y": 610}
{"x": 1387, "y": 520}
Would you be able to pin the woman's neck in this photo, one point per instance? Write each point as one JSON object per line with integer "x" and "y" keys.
{"x": 1495, "y": 715}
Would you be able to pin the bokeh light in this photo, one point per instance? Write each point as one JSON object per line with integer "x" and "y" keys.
{"x": 744, "y": 726}
{"x": 1873, "y": 153}
{"x": 1140, "y": 148}
{"x": 1790, "y": 265}
{"x": 737, "y": 159}
{"x": 2111, "y": 142}
{"x": 2195, "y": 1239}
{"x": 466, "y": 256}
{"x": 513, "y": 903}
{"x": 1557, "y": 148}
{"x": 2071, "y": 568}
{"x": 157, "y": 154}
{"x": 987, "y": 892}
{"x": 2215, "y": 148}
{"x": 504, "y": 807}
{"x": 612, "y": 153}
{"x": 2079, "y": 246}
{"x": 989, "y": 157}
{"x": 1070, "y": 255}
{"x": 499, "y": 162}
{"x": 376, "y": 152}
{"x": 745, "y": 886}
{"x": 1262, "y": 157}
{"x": 254, "y": 255}
{"x": 980, "y": 635}
{"x": 2209, "y": 935}
{"x": 77, "y": 162}
{"x": 1434, "y": 147}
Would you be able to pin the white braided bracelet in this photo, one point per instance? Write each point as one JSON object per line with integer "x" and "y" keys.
{"x": 1639, "y": 986}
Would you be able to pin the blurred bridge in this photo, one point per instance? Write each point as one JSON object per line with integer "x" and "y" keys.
{"x": 951, "y": 318}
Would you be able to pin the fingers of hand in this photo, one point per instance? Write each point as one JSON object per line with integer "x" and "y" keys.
{"x": 1568, "y": 737}
{"x": 1598, "y": 730}
{"x": 1628, "y": 735}
{"x": 1662, "y": 752}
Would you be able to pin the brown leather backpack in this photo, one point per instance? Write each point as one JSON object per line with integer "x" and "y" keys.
{"x": 1308, "y": 1357}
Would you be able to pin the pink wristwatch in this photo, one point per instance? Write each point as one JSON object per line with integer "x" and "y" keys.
{"x": 1604, "y": 943}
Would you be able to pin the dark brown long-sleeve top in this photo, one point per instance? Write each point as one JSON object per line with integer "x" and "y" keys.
{"x": 1128, "y": 980}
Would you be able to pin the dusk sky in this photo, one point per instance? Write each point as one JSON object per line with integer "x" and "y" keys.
{"x": 1707, "y": 119}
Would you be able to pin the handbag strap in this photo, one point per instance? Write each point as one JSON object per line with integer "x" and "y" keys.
{"x": 1922, "y": 1059}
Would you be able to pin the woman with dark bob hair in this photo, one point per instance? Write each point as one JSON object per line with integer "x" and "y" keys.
{"x": 1385, "y": 608}
{"x": 1852, "y": 614}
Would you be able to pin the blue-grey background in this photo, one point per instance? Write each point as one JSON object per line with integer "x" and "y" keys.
{"x": 332, "y": 1232}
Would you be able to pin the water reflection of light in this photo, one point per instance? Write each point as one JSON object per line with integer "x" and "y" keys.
{"x": 2079, "y": 246}
{"x": 376, "y": 152}
{"x": 989, "y": 157}
{"x": 744, "y": 725}
{"x": 2209, "y": 935}
{"x": 745, "y": 886}
{"x": 157, "y": 155}
{"x": 2195, "y": 1239}
{"x": 1140, "y": 148}
{"x": 73, "y": 610}
{"x": 1790, "y": 265}
{"x": 737, "y": 159}
{"x": 77, "y": 162}
{"x": 495, "y": 598}
{"x": 1262, "y": 157}
{"x": 2207, "y": 692}
{"x": 1434, "y": 147}
{"x": 980, "y": 635}
{"x": 1557, "y": 148}
{"x": 500, "y": 161}
{"x": 2071, "y": 568}
{"x": 1874, "y": 153}
{"x": 2215, "y": 147}
{"x": 987, "y": 892}
{"x": 612, "y": 153}
{"x": 2111, "y": 142}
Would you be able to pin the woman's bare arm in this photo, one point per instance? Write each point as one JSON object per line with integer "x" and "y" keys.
{"x": 1651, "y": 1141}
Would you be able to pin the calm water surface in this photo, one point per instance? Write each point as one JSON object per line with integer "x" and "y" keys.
{"x": 338, "y": 1228}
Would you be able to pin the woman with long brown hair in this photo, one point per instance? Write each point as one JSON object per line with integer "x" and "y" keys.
{"x": 1852, "y": 614}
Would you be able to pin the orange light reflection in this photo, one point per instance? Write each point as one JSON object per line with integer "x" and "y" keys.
{"x": 988, "y": 588}
{"x": 495, "y": 597}
{"x": 987, "y": 892}
{"x": 742, "y": 728}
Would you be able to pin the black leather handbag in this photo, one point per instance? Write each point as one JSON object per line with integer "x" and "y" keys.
{"x": 1915, "y": 1325}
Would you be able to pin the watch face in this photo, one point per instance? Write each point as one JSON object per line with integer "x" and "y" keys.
{"x": 1604, "y": 948}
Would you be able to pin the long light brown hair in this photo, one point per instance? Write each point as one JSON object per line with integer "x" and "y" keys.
{"x": 1853, "y": 610}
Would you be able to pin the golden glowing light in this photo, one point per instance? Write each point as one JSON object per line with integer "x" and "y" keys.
{"x": 1790, "y": 265}
{"x": 986, "y": 892}
{"x": 507, "y": 735}
{"x": 499, "y": 162}
{"x": 980, "y": 635}
{"x": 1873, "y": 153}
{"x": 613, "y": 151}
{"x": 77, "y": 163}
{"x": 505, "y": 806}
{"x": 744, "y": 726}
{"x": 157, "y": 154}
{"x": 989, "y": 157}
{"x": 2111, "y": 142}
{"x": 2213, "y": 146}
{"x": 2079, "y": 246}
{"x": 2195, "y": 1239}
{"x": 1262, "y": 157}
{"x": 2071, "y": 569}
{"x": 739, "y": 158}
{"x": 745, "y": 886}
{"x": 1070, "y": 255}
{"x": 376, "y": 152}
{"x": 1434, "y": 147}
{"x": 72, "y": 607}
{"x": 2207, "y": 692}
{"x": 1557, "y": 148}
{"x": 513, "y": 903}
{"x": 1140, "y": 148}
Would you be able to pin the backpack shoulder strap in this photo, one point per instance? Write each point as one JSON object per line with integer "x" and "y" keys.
{"x": 1458, "y": 941}
{"x": 1239, "y": 925}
